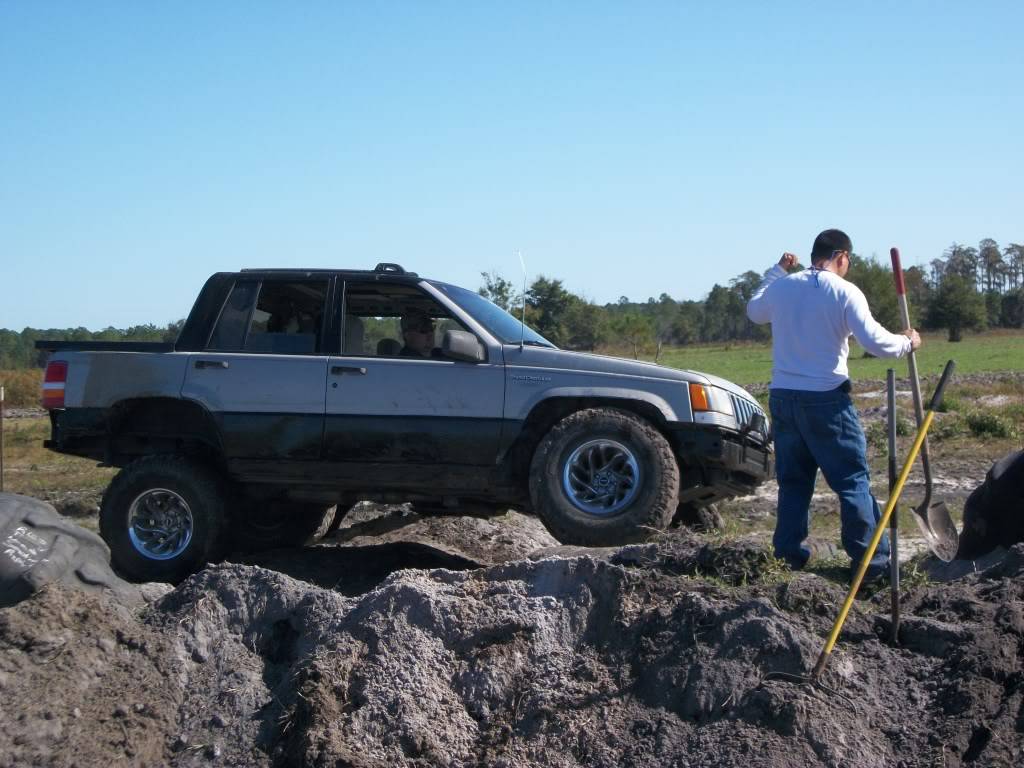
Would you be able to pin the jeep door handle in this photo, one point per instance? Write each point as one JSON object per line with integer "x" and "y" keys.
{"x": 211, "y": 364}
{"x": 340, "y": 370}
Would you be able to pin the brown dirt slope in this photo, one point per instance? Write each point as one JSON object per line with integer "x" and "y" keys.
{"x": 650, "y": 655}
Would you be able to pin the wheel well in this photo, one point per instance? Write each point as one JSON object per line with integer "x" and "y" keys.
{"x": 162, "y": 425}
{"x": 549, "y": 412}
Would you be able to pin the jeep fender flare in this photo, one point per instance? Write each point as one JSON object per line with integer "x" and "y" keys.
{"x": 668, "y": 413}
{"x": 167, "y": 419}
{"x": 553, "y": 405}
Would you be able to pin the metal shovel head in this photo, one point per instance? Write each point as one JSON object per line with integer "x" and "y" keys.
{"x": 939, "y": 530}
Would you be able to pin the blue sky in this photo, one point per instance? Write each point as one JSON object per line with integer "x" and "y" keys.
{"x": 625, "y": 148}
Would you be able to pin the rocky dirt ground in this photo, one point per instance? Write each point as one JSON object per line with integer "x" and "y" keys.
{"x": 415, "y": 641}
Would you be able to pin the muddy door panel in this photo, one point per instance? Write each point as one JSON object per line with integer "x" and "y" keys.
{"x": 412, "y": 411}
{"x": 266, "y": 406}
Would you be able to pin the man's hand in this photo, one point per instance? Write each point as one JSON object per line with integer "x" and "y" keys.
{"x": 788, "y": 261}
{"x": 915, "y": 338}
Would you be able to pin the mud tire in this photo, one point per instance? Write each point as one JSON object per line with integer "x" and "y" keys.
{"x": 200, "y": 488}
{"x": 650, "y": 510}
{"x": 258, "y": 527}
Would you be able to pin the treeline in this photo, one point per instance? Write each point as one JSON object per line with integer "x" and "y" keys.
{"x": 967, "y": 289}
{"x": 17, "y": 350}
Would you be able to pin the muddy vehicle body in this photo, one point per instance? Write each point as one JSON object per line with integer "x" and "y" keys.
{"x": 288, "y": 397}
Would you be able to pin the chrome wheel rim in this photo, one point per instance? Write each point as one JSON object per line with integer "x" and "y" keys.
{"x": 601, "y": 477}
{"x": 160, "y": 524}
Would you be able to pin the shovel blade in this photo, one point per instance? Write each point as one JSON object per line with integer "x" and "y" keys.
{"x": 939, "y": 530}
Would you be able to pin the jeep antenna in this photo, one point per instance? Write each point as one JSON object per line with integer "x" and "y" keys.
{"x": 522, "y": 322}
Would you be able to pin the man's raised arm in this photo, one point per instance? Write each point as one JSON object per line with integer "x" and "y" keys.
{"x": 758, "y": 308}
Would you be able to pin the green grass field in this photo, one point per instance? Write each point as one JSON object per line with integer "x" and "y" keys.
{"x": 744, "y": 363}
{"x": 752, "y": 363}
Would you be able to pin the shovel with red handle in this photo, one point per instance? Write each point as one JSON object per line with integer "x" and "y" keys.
{"x": 934, "y": 520}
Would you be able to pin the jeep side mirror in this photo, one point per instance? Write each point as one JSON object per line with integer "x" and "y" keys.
{"x": 462, "y": 345}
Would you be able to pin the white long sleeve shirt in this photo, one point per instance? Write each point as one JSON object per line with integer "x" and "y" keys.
{"x": 813, "y": 313}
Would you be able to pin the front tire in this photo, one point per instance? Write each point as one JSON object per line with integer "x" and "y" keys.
{"x": 162, "y": 518}
{"x": 603, "y": 477}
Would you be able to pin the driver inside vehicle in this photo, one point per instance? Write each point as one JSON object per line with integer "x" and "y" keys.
{"x": 418, "y": 335}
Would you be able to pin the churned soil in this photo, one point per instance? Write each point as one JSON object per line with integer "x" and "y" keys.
{"x": 404, "y": 653}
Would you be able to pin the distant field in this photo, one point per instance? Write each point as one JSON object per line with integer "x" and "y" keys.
{"x": 21, "y": 388}
{"x": 752, "y": 363}
{"x": 72, "y": 484}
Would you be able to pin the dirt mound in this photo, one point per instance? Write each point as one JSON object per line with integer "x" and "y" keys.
{"x": 83, "y": 682}
{"x": 649, "y": 655}
{"x": 632, "y": 661}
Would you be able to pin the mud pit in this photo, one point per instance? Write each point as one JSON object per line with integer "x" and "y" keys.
{"x": 649, "y": 655}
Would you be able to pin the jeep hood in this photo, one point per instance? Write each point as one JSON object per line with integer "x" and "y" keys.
{"x": 542, "y": 358}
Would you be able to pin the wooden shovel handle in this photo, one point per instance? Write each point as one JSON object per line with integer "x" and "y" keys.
{"x": 897, "y": 271}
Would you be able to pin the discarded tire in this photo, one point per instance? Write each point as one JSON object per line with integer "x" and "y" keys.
{"x": 38, "y": 547}
{"x": 603, "y": 477}
{"x": 162, "y": 517}
{"x": 994, "y": 512}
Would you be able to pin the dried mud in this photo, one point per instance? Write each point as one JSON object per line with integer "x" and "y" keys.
{"x": 648, "y": 655}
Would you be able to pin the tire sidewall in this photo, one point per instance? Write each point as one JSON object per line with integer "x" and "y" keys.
{"x": 200, "y": 491}
{"x": 571, "y": 524}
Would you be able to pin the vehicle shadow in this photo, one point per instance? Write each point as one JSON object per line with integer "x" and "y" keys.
{"x": 353, "y": 571}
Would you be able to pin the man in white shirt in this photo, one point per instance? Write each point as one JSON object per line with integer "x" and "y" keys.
{"x": 813, "y": 313}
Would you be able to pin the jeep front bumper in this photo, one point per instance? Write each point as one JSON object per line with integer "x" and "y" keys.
{"x": 715, "y": 464}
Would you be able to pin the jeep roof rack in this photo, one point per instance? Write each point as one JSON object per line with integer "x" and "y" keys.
{"x": 384, "y": 268}
{"x": 392, "y": 268}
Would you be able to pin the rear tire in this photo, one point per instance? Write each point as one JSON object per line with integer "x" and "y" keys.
{"x": 705, "y": 518}
{"x": 162, "y": 517}
{"x": 259, "y": 526}
{"x": 603, "y": 477}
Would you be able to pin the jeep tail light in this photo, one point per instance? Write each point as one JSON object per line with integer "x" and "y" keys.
{"x": 53, "y": 384}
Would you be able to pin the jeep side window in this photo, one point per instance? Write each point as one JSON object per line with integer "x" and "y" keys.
{"x": 229, "y": 332}
{"x": 288, "y": 318}
{"x": 393, "y": 320}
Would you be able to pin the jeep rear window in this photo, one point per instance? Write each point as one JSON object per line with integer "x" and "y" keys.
{"x": 499, "y": 323}
{"x": 286, "y": 319}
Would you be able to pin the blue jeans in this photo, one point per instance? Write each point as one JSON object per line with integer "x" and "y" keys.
{"x": 822, "y": 429}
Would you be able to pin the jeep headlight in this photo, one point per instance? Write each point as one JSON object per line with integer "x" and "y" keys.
{"x": 704, "y": 397}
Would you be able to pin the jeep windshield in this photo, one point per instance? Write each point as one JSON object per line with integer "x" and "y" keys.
{"x": 503, "y": 326}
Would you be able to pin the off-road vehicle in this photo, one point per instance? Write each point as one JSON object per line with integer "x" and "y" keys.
{"x": 291, "y": 394}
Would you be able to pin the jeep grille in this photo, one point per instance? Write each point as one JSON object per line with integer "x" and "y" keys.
{"x": 745, "y": 410}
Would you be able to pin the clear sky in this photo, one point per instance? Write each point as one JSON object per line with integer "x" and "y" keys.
{"x": 628, "y": 148}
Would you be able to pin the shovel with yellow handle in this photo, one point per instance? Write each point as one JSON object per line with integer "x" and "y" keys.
{"x": 922, "y": 433}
